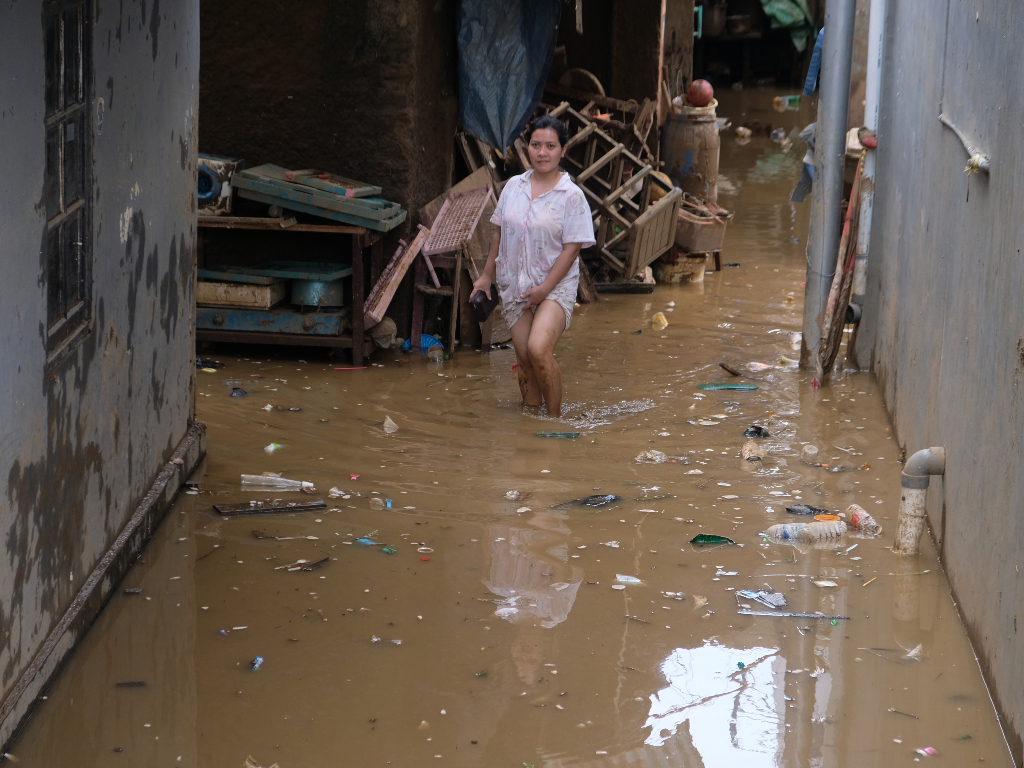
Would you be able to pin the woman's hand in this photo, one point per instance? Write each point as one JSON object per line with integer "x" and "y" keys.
{"x": 483, "y": 283}
{"x": 536, "y": 295}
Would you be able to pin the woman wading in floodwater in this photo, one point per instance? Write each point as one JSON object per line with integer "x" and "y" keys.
{"x": 543, "y": 221}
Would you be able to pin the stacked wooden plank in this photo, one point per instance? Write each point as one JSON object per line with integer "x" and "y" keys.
{"x": 320, "y": 194}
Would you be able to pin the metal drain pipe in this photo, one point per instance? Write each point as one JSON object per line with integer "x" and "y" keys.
{"x": 914, "y": 487}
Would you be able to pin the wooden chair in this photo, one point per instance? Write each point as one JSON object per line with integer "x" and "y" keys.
{"x": 450, "y": 236}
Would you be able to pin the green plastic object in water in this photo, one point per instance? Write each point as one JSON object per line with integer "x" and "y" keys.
{"x": 718, "y": 387}
{"x": 567, "y": 435}
{"x": 709, "y": 538}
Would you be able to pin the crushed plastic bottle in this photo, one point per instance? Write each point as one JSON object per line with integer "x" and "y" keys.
{"x": 659, "y": 321}
{"x": 784, "y": 103}
{"x": 862, "y": 521}
{"x": 651, "y": 457}
{"x": 273, "y": 482}
{"x": 807, "y": 531}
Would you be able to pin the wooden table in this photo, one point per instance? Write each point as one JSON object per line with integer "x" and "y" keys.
{"x": 361, "y": 238}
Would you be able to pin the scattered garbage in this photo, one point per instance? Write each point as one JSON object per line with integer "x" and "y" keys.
{"x": 823, "y": 583}
{"x": 927, "y": 751}
{"x": 566, "y": 435}
{"x": 807, "y": 531}
{"x": 268, "y": 507}
{"x": 274, "y": 482}
{"x": 436, "y": 354}
{"x": 784, "y": 103}
{"x": 809, "y": 454}
{"x": 612, "y": 544}
{"x": 778, "y": 135}
{"x": 756, "y": 431}
{"x": 827, "y": 518}
{"x": 389, "y": 426}
{"x": 699, "y": 601}
{"x": 806, "y": 510}
{"x": 729, "y": 369}
{"x": 751, "y": 451}
{"x": 426, "y": 342}
{"x": 780, "y": 614}
{"x": 250, "y": 762}
{"x": 257, "y": 663}
{"x": 133, "y": 591}
{"x": 238, "y": 392}
{"x": 722, "y": 386}
{"x": 771, "y": 599}
{"x": 651, "y": 457}
{"x": 862, "y": 521}
{"x": 375, "y": 639}
{"x": 388, "y": 550}
{"x": 376, "y": 503}
{"x": 367, "y": 542}
{"x": 702, "y": 539}
{"x": 424, "y": 550}
{"x": 659, "y": 321}
{"x": 743, "y": 134}
{"x": 273, "y": 447}
{"x": 514, "y": 495}
{"x": 206, "y": 363}
{"x": 623, "y": 579}
{"x": 481, "y": 673}
{"x": 599, "y": 501}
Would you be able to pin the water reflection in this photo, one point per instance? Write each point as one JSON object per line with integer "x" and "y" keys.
{"x": 734, "y": 716}
{"x": 530, "y": 570}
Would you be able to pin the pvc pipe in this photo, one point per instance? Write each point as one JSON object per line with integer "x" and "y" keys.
{"x": 829, "y": 165}
{"x": 872, "y": 87}
{"x": 914, "y": 489}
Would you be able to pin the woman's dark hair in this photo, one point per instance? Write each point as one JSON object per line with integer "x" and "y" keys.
{"x": 547, "y": 121}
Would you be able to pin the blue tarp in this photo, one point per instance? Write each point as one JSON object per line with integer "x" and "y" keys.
{"x": 505, "y": 50}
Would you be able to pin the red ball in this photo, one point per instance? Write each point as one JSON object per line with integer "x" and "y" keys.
{"x": 700, "y": 93}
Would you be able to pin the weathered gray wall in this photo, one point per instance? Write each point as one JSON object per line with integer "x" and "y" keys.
{"x": 81, "y": 445}
{"x": 944, "y": 319}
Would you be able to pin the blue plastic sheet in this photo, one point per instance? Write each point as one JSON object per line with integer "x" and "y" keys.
{"x": 505, "y": 51}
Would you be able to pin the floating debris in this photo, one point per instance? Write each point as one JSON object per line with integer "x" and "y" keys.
{"x": 721, "y": 386}
{"x": 702, "y": 539}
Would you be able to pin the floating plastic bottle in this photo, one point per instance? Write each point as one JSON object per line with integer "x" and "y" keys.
{"x": 862, "y": 521}
{"x": 807, "y": 531}
{"x": 274, "y": 482}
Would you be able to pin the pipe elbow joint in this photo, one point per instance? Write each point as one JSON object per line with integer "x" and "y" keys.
{"x": 922, "y": 465}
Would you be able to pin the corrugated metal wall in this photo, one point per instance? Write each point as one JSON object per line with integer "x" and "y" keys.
{"x": 944, "y": 318}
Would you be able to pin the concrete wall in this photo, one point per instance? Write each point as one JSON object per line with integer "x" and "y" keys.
{"x": 943, "y": 318}
{"x": 362, "y": 88}
{"x": 82, "y": 442}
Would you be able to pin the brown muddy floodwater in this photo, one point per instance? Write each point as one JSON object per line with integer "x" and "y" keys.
{"x": 518, "y": 645}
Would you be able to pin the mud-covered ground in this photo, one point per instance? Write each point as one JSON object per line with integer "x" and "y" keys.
{"x": 498, "y": 633}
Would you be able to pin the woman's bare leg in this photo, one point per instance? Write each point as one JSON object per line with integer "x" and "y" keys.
{"x": 528, "y": 384}
{"x": 547, "y": 326}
